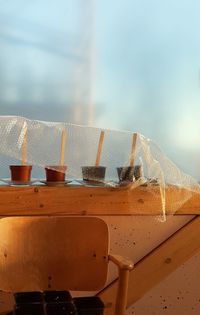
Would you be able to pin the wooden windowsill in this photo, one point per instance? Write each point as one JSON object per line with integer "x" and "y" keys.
{"x": 81, "y": 200}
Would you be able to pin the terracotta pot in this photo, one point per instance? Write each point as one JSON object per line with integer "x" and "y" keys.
{"x": 93, "y": 173}
{"x": 55, "y": 173}
{"x": 126, "y": 173}
{"x": 21, "y": 173}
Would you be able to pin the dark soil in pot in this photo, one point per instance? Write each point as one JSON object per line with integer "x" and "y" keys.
{"x": 126, "y": 173}
{"x": 138, "y": 172}
{"x": 93, "y": 173}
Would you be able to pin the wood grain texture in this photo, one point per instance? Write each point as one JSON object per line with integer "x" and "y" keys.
{"x": 80, "y": 200}
{"x": 6, "y": 302}
{"x": 100, "y": 146}
{"x": 133, "y": 149}
{"x": 53, "y": 253}
{"x": 158, "y": 264}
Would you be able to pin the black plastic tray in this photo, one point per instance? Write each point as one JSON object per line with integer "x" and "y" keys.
{"x": 60, "y": 309}
{"x": 28, "y": 297}
{"x": 57, "y": 296}
{"x": 29, "y": 309}
{"x": 89, "y": 305}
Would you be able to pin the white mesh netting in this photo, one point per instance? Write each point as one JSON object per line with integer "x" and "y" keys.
{"x": 45, "y": 145}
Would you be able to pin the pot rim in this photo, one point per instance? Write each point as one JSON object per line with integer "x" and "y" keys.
{"x": 20, "y": 166}
{"x": 93, "y": 166}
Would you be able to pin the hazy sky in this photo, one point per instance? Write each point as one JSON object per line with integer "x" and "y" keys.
{"x": 137, "y": 60}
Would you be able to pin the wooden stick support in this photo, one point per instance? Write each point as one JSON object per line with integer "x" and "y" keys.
{"x": 24, "y": 147}
{"x": 100, "y": 146}
{"x": 62, "y": 147}
{"x": 133, "y": 149}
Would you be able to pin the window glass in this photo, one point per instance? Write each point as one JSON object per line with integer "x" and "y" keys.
{"x": 130, "y": 64}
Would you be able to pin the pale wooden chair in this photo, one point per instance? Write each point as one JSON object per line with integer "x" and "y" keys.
{"x": 58, "y": 253}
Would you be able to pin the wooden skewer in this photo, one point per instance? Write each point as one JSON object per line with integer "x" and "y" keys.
{"x": 98, "y": 157}
{"x": 24, "y": 148}
{"x": 133, "y": 149}
{"x": 62, "y": 148}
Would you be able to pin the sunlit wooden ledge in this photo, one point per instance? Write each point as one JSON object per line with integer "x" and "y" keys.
{"x": 80, "y": 200}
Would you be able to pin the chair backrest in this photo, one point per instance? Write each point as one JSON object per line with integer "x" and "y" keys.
{"x": 53, "y": 253}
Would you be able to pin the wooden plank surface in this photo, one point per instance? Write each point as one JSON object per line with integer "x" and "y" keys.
{"x": 158, "y": 264}
{"x": 6, "y": 302}
{"x": 80, "y": 200}
{"x": 53, "y": 253}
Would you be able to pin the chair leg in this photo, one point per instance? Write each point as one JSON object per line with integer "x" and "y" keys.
{"x": 121, "y": 299}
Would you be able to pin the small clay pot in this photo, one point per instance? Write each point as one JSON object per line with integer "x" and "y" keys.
{"x": 94, "y": 173}
{"x": 21, "y": 173}
{"x": 126, "y": 174}
{"x": 55, "y": 173}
